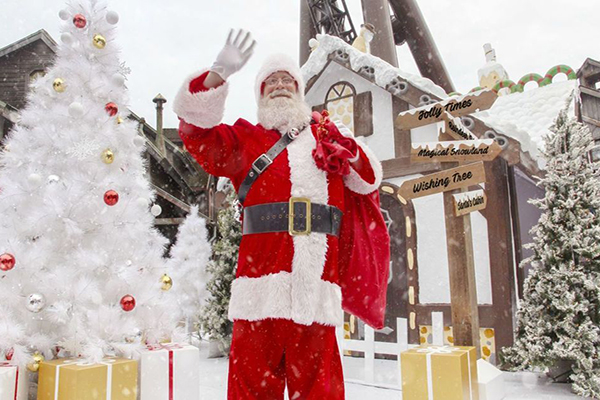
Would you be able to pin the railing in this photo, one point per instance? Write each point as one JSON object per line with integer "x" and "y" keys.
{"x": 370, "y": 347}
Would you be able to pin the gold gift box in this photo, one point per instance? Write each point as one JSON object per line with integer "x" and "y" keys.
{"x": 81, "y": 381}
{"x": 439, "y": 373}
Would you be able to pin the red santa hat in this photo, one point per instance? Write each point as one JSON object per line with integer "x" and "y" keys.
{"x": 276, "y": 63}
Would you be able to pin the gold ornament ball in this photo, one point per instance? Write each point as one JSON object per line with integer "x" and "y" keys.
{"x": 99, "y": 41}
{"x": 108, "y": 156}
{"x": 166, "y": 282}
{"x": 59, "y": 85}
{"x": 34, "y": 366}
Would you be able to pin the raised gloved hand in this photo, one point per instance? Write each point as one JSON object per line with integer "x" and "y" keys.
{"x": 235, "y": 54}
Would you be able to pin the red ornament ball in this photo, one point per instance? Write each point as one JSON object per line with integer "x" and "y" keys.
{"x": 127, "y": 302}
{"x": 111, "y": 108}
{"x": 79, "y": 21}
{"x": 7, "y": 262}
{"x": 111, "y": 197}
{"x": 9, "y": 354}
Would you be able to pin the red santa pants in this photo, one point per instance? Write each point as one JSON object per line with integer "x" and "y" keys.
{"x": 267, "y": 354}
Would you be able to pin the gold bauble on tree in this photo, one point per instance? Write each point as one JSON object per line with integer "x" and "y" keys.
{"x": 99, "y": 41}
{"x": 34, "y": 366}
{"x": 59, "y": 85}
{"x": 119, "y": 120}
{"x": 166, "y": 282}
{"x": 108, "y": 156}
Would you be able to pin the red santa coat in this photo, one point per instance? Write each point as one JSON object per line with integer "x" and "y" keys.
{"x": 278, "y": 275}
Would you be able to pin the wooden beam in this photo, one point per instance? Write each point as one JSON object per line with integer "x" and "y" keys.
{"x": 170, "y": 198}
{"x": 168, "y": 221}
{"x": 402, "y": 167}
{"x": 500, "y": 241}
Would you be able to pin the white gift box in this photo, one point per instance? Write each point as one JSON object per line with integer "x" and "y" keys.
{"x": 170, "y": 372}
{"x": 491, "y": 381}
{"x": 13, "y": 382}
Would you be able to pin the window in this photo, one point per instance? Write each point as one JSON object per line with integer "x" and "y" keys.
{"x": 340, "y": 103}
{"x": 352, "y": 109}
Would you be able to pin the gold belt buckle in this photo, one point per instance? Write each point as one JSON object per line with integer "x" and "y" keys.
{"x": 291, "y": 230}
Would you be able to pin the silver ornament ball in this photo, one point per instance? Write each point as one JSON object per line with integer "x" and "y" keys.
{"x": 35, "y": 302}
{"x": 112, "y": 17}
{"x": 139, "y": 141}
{"x": 75, "y": 109}
{"x": 156, "y": 210}
{"x": 34, "y": 180}
{"x": 64, "y": 15}
{"x": 67, "y": 38}
{"x": 118, "y": 79}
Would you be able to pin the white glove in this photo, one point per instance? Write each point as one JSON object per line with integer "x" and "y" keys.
{"x": 235, "y": 54}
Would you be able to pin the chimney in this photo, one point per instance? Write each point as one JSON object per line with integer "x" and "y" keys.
{"x": 160, "y": 138}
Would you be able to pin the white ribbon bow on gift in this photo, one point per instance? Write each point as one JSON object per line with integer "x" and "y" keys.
{"x": 108, "y": 362}
{"x": 430, "y": 350}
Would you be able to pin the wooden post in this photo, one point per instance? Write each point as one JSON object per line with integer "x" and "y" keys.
{"x": 377, "y": 12}
{"x": 461, "y": 265}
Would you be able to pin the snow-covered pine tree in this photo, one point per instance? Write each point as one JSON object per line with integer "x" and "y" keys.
{"x": 186, "y": 268}
{"x": 222, "y": 268}
{"x": 559, "y": 317}
{"x": 80, "y": 260}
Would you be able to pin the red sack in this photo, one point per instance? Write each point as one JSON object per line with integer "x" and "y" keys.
{"x": 364, "y": 257}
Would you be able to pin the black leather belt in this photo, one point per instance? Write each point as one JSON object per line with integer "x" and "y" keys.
{"x": 292, "y": 217}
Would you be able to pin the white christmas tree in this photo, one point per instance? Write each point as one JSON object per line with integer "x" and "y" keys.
{"x": 81, "y": 261}
{"x": 221, "y": 268}
{"x": 187, "y": 267}
{"x": 559, "y": 317}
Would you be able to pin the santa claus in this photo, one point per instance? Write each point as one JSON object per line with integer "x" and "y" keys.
{"x": 291, "y": 172}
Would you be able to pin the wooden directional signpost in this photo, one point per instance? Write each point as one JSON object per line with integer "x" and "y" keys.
{"x": 459, "y": 151}
{"x": 453, "y": 182}
{"x": 449, "y": 179}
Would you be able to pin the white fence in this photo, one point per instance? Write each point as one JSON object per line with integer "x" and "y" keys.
{"x": 369, "y": 346}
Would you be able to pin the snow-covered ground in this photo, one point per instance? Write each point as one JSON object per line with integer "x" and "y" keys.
{"x": 519, "y": 386}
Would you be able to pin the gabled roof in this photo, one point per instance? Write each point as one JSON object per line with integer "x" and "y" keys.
{"x": 39, "y": 35}
{"x": 384, "y": 73}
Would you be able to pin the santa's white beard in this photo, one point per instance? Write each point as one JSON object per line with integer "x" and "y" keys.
{"x": 283, "y": 113}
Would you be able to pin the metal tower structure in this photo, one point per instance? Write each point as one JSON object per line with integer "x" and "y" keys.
{"x": 328, "y": 17}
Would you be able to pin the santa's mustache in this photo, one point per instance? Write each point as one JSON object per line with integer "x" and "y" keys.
{"x": 280, "y": 92}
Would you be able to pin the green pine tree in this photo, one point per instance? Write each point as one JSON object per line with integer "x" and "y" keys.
{"x": 559, "y": 317}
{"x": 213, "y": 319}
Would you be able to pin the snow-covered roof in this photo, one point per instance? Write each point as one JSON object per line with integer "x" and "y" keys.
{"x": 525, "y": 117}
{"x": 384, "y": 72}
{"x": 528, "y": 116}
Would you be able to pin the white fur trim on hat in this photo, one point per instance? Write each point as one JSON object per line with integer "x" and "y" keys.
{"x": 275, "y": 63}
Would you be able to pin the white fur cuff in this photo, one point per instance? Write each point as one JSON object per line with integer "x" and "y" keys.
{"x": 353, "y": 180}
{"x": 270, "y": 296}
{"x": 202, "y": 109}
